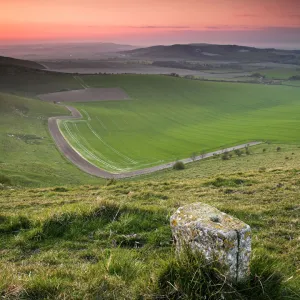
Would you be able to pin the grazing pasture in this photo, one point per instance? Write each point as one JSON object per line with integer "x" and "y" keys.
{"x": 28, "y": 155}
{"x": 282, "y": 73}
{"x": 114, "y": 241}
{"x": 169, "y": 118}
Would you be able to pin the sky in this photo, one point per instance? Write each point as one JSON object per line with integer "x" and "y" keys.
{"x": 147, "y": 22}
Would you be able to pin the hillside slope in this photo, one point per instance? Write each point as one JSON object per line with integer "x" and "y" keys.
{"x": 210, "y": 52}
{"x": 115, "y": 241}
{"x": 68, "y": 50}
{"x": 8, "y": 61}
{"x": 28, "y": 155}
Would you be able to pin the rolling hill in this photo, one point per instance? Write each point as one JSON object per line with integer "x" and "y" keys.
{"x": 13, "y": 62}
{"x": 210, "y": 52}
{"x": 28, "y": 156}
{"x": 67, "y": 235}
{"x": 169, "y": 118}
{"x": 74, "y": 50}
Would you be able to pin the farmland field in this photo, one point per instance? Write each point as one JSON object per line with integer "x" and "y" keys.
{"x": 283, "y": 73}
{"x": 170, "y": 118}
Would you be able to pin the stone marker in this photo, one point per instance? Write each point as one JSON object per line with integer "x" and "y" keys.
{"x": 216, "y": 235}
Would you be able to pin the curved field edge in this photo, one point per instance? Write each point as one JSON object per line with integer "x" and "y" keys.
{"x": 28, "y": 156}
{"x": 80, "y": 161}
{"x": 171, "y": 118}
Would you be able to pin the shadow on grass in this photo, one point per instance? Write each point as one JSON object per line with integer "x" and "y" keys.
{"x": 190, "y": 277}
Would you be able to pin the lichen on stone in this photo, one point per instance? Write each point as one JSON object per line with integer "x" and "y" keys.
{"x": 214, "y": 234}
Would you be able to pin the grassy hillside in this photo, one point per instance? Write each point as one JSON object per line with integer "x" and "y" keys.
{"x": 167, "y": 119}
{"x": 260, "y": 158}
{"x": 29, "y": 83}
{"x": 19, "y": 63}
{"x": 28, "y": 155}
{"x": 114, "y": 242}
{"x": 112, "y": 239}
{"x": 170, "y": 118}
{"x": 284, "y": 74}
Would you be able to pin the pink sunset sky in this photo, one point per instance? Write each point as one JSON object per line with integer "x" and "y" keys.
{"x": 145, "y": 22}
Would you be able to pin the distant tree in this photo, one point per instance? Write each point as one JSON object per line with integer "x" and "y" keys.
{"x": 296, "y": 77}
{"x": 179, "y": 165}
{"x": 193, "y": 156}
{"x": 247, "y": 151}
{"x": 202, "y": 154}
{"x": 238, "y": 152}
{"x": 174, "y": 75}
{"x": 257, "y": 75}
{"x": 225, "y": 156}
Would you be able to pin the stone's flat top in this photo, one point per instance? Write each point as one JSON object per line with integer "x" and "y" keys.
{"x": 202, "y": 215}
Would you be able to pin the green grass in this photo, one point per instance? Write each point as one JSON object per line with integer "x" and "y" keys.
{"x": 295, "y": 83}
{"x": 114, "y": 241}
{"x": 258, "y": 160}
{"x": 28, "y": 155}
{"x": 29, "y": 83}
{"x": 283, "y": 73}
{"x": 170, "y": 118}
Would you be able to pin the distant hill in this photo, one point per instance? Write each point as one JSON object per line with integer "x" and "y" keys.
{"x": 13, "y": 62}
{"x": 204, "y": 52}
{"x": 63, "y": 50}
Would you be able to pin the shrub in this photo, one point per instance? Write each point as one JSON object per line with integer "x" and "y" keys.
{"x": 179, "y": 165}
{"x": 111, "y": 181}
{"x": 225, "y": 156}
{"x": 193, "y": 156}
{"x": 296, "y": 77}
{"x": 264, "y": 150}
{"x": 238, "y": 152}
{"x": 257, "y": 75}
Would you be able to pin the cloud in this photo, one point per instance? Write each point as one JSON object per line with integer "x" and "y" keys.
{"x": 296, "y": 16}
{"x": 228, "y": 27}
{"x": 247, "y": 16}
{"x": 161, "y": 27}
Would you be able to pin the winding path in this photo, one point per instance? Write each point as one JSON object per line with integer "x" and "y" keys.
{"x": 75, "y": 157}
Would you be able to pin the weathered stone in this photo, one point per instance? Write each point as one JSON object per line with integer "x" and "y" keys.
{"x": 216, "y": 235}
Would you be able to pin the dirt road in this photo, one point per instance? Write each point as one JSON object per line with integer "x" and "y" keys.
{"x": 75, "y": 157}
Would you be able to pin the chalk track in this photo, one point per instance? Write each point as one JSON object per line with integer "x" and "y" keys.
{"x": 75, "y": 157}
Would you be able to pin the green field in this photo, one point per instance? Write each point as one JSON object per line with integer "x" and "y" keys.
{"x": 28, "y": 155}
{"x": 283, "y": 73}
{"x": 170, "y": 118}
{"x": 295, "y": 83}
{"x": 80, "y": 237}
